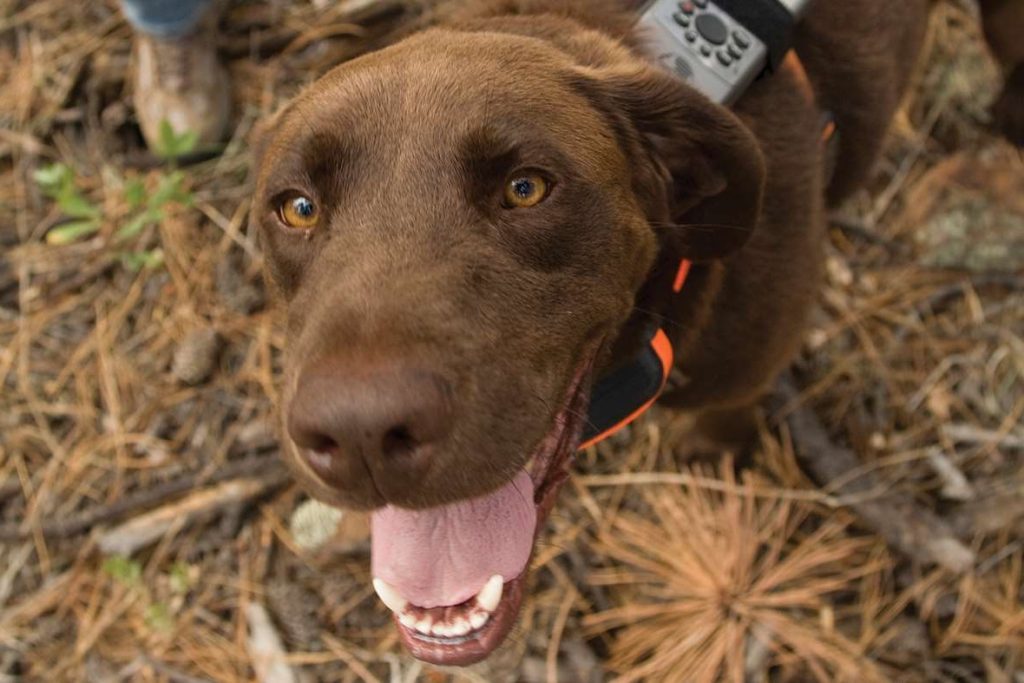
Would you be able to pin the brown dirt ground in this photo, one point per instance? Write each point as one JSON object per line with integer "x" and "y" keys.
{"x": 914, "y": 363}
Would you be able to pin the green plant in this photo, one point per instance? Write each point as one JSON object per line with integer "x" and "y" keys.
{"x": 146, "y": 208}
{"x": 173, "y": 145}
{"x": 149, "y": 209}
{"x": 123, "y": 569}
{"x": 58, "y": 182}
{"x": 158, "y": 617}
{"x": 158, "y": 614}
{"x": 180, "y": 577}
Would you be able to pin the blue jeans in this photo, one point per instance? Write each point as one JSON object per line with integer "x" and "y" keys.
{"x": 164, "y": 18}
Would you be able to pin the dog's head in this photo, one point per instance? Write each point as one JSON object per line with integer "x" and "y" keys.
{"x": 459, "y": 227}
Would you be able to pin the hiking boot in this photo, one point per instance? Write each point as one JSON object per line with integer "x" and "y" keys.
{"x": 180, "y": 80}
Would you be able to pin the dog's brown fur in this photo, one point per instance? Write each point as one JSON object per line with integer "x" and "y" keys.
{"x": 1003, "y": 21}
{"x": 417, "y": 264}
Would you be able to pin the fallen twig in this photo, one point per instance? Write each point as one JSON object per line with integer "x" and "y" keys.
{"x": 903, "y": 523}
{"x": 267, "y": 465}
{"x": 991, "y": 512}
{"x": 265, "y": 649}
{"x": 148, "y": 527}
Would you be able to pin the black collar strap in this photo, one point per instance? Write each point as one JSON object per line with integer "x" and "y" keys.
{"x": 624, "y": 395}
{"x": 770, "y": 20}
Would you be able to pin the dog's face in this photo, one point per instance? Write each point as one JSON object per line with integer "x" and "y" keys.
{"x": 458, "y": 227}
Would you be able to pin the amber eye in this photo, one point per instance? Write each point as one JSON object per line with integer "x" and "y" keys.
{"x": 298, "y": 211}
{"x": 526, "y": 190}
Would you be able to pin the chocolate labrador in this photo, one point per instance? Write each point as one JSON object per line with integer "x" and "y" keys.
{"x": 468, "y": 227}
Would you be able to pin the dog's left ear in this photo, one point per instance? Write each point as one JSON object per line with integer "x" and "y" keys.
{"x": 700, "y": 169}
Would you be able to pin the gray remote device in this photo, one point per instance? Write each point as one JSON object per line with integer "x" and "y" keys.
{"x": 702, "y": 44}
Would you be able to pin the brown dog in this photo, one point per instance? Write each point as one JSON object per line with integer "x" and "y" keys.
{"x": 471, "y": 225}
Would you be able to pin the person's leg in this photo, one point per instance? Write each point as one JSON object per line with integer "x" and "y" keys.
{"x": 164, "y": 18}
{"x": 178, "y": 78}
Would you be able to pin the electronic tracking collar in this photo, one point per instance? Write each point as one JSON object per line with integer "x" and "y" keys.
{"x": 720, "y": 48}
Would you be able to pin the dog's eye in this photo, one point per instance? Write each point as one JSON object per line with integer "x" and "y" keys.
{"x": 298, "y": 211}
{"x": 526, "y": 190}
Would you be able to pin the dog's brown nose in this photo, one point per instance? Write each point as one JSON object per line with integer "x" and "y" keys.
{"x": 354, "y": 421}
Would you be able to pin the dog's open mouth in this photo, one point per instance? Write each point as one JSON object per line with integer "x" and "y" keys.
{"x": 454, "y": 575}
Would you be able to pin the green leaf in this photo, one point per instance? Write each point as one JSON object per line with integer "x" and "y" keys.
{"x": 172, "y": 145}
{"x": 53, "y": 177}
{"x": 187, "y": 142}
{"x": 75, "y": 205}
{"x": 158, "y": 617}
{"x": 137, "y": 260}
{"x": 71, "y": 232}
{"x": 170, "y": 189}
{"x": 180, "y": 578}
{"x": 135, "y": 193}
{"x": 123, "y": 569}
{"x": 135, "y": 226}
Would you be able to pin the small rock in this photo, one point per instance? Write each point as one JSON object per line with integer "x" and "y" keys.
{"x": 955, "y": 485}
{"x": 839, "y": 272}
{"x": 238, "y": 293}
{"x": 581, "y": 661}
{"x": 313, "y": 523}
{"x": 968, "y": 212}
{"x": 196, "y": 357}
{"x": 294, "y": 608}
{"x": 909, "y": 642}
{"x": 255, "y": 436}
{"x": 576, "y": 662}
{"x": 951, "y": 554}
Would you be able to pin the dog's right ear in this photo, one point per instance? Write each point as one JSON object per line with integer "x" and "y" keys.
{"x": 698, "y": 169}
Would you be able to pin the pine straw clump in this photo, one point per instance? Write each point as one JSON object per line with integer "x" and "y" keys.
{"x": 710, "y": 578}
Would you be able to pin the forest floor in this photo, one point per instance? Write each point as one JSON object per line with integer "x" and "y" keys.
{"x": 148, "y": 532}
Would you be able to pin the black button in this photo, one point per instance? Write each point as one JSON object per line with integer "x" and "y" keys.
{"x": 741, "y": 39}
{"x": 712, "y": 28}
{"x": 682, "y": 19}
{"x": 735, "y": 52}
{"x": 687, "y": 7}
{"x": 705, "y": 50}
{"x": 724, "y": 58}
{"x": 690, "y": 36}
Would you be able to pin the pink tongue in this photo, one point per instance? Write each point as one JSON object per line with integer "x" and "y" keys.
{"x": 444, "y": 556}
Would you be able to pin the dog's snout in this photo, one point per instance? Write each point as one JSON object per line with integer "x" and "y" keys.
{"x": 359, "y": 426}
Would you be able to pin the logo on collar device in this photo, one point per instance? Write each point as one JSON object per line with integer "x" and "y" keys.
{"x": 720, "y": 48}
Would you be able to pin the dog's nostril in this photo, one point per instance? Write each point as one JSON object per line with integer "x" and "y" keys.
{"x": 317, "y": 443}
{"x": 398, "y": 441}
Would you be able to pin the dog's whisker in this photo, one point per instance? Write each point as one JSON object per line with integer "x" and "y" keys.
{"x": 585, "y": 417}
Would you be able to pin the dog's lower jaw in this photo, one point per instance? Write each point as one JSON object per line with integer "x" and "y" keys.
{"x": 549, "y": 472}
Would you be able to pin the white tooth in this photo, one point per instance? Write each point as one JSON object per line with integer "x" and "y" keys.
{"x": 389, "y": 596}
{"x": 460, "y": 628}
{"x": 478, "y": 619}
{"x": 441, "y": 630}
{"x": 490, "y": 595}
{"x": 423, "y": 625}
{"x": 407, "y": 620}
